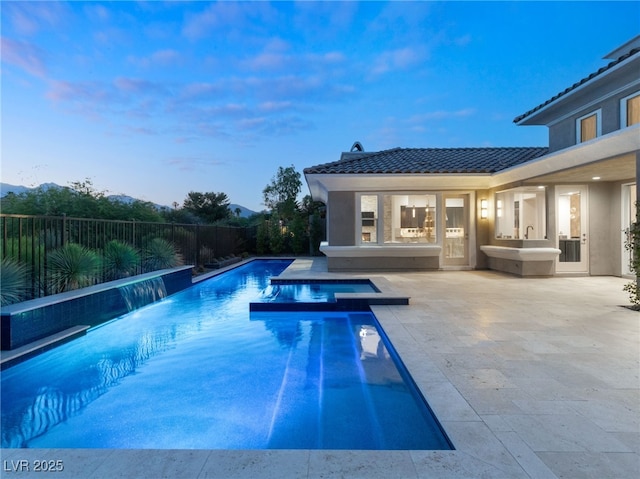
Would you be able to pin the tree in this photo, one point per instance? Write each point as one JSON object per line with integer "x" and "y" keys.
{"x": 80, "y": 200}
{"x": 280, "y": 195}
{"x": 209, "y": 207}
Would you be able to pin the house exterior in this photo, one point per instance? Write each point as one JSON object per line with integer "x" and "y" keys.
{"x": 557, "y": 210}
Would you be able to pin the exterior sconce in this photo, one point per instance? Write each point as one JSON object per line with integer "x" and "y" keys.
{"x": 484, "y": 209}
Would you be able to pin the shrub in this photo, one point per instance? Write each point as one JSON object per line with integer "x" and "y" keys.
{"x": 262, "y": 238}
{"x": 632, "y": 245}
{"x": 276, "y": 236}
{"x": 160, "y": 254}
{"x": 120, "y": 260}
{"x": 13, "y": 278}
{"x": 299, "y": 237}
{"x": 71, "y": 267}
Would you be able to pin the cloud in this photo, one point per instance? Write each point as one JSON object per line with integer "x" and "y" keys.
{"x": 193, "y": 163}
{"x": 29, "y": 18}
{"x": 98, "y": 13}
{"x": 222, "y": 17}
{"x": 399, "y": 59}
{"x": 24, "y": 55}
{"x": 159, "y": 58}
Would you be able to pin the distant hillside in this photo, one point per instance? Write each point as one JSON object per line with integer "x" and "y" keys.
{"x": 6, "y": 188}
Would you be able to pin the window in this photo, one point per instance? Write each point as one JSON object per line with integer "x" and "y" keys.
{"x": 409, "y": 218}
{"x": 406, "y": 218}
{"x": 369, "y": 219}
{"x": 630, "y": 110}
{"x": 588, "y": 127}
{"x": 521, "y": 213}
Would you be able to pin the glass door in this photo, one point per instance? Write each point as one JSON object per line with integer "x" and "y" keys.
{"x": 573, "y": 241}
{"x": 456, "y": 227}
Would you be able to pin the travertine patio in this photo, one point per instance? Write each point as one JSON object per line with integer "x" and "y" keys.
{"x": 529, "y": 377}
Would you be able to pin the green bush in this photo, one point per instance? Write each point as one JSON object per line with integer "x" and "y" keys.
{"x": 120, "y": 260}
{"x": 71, "y": 267}
{"x": 276, "y": 236}
{"x": 632, "y": 245}
{"x": 160, "y": 254}
{"x": 262, "y": 238}
{"x": 13, "y": 278}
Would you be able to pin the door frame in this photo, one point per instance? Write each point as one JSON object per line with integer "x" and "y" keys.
{"x": 466, "y": 260}
{"x": 581, "y": 266}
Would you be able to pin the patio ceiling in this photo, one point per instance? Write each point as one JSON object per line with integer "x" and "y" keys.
{"x": 614, "y": 169}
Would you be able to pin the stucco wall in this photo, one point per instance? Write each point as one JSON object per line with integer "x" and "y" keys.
{"x": 563, "y": 133}
{"x": 341, "y": 210}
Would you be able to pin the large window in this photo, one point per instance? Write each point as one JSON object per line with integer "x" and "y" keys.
{"x": 588, "y": 127}
{"x": 521, "y": 213}
{"x": 630, "y": 110}
{"x": 406, "y": 218}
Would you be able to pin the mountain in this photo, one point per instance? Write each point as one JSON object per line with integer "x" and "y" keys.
{"x": 244, "y": 212}
{"x": 6, "y": 188}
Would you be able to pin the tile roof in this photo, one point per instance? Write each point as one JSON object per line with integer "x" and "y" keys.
{"x": 632, "y": 52}
{"x": 429, "y": 161}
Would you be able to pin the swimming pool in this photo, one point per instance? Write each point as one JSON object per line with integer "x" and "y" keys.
{"x": 198, "y": 370}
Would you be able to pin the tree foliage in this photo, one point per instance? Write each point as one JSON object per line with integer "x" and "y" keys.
{"x": 281, "y": 194}
{"x": 79, "y": 200}
{"x": 208, "y": 207}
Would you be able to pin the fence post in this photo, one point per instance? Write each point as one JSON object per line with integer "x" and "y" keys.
{"x": 64, "y": 229}
{"x": 197, "y": 246}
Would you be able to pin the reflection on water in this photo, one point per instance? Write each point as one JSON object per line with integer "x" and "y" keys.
{"x": 52, "y": 388}
{"x": 67, "y": 396}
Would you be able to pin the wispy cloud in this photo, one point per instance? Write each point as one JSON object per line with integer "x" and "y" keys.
{"x": 160, "y": 58}
{"x": 395, "y": 60}
{"x": 221, "y": 17}
{"x": 193, "y": 163}
{"x": 24, "y": 55}
{"x": 29, "y": 18}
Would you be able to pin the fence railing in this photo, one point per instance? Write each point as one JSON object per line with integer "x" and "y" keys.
{"x": 29, "y": 239}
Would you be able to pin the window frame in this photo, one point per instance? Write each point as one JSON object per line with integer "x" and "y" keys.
{"x": 507, "y": 210}
{"x": 623, "y": 109}
{"x": 380, "y": 219}
{"x": 598, "y": 114}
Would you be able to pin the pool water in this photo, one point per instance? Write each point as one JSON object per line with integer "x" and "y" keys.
{"x": 313, "y": 292}
{"x": 198, "y": 370}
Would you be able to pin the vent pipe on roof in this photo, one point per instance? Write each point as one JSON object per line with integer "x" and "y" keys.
{"x": 357, "y": 146}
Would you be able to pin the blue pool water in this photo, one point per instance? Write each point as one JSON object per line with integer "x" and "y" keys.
{"x": 313, "y": 292}
{"x": 198, "y": 370}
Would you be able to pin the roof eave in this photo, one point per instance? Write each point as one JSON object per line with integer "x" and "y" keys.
{"x": 530, "y": 118}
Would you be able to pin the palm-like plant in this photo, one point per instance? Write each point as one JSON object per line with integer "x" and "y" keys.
{"x": 160, "y": 254}
{"x": 72, "y": 266}
{"x": 119, "y": 260}
{"x": 13, "y": 278}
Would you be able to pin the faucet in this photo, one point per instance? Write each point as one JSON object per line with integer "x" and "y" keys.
{"x": 526, "y": 234}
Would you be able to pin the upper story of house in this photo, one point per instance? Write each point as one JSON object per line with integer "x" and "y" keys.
{"x": 606, "y": 101}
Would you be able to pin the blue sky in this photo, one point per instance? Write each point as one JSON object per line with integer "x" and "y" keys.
{"x": 156, "y": 99}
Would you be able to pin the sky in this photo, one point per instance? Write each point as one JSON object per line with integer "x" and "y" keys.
{"x": 157, "y": 99}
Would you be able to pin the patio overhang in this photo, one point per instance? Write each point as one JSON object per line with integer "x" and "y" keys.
{"x": 612, "y": 157}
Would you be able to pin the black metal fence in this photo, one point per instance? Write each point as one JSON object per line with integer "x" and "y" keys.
{"x": 29, "y": 239}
